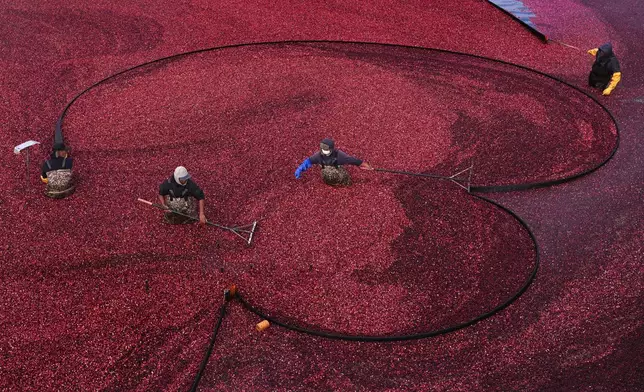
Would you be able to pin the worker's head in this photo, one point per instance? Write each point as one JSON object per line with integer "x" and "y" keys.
{"x": 181, "y": 175}
{"x": 326, "y": 146}
{"x": 606, "y": 50}
{"x": 60, "y": 150}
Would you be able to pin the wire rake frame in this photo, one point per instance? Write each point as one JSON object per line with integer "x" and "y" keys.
{"x": 462, "y": 178}
{"x": 245, "y": 232}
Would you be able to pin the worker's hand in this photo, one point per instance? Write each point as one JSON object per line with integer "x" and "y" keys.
{"x": 299, "y": 171}
{"x": 165, "y": 207}
{"x": 617, "y": 76}
{"x": 365, "y": 166}
{"x": 202, "y": 219}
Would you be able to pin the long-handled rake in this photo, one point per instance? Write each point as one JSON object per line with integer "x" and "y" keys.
{"x": 244, "y": 232}
{"x": 462, "y": 178}
{"x": 566, "y": 45}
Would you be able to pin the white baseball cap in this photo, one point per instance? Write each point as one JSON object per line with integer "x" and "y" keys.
{"x": 181, "y": 174}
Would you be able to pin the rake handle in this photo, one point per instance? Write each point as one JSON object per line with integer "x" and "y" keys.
{"x": 413, "y": 174}
{"x": 159, "y": 206}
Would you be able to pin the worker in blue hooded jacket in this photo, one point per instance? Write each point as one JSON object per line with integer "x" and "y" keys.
{"x": 332, "y": 160}
{"x": 606, "y": 72}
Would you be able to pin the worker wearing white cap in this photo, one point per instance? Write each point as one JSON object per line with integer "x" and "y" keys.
{"x": 179, "y": 193}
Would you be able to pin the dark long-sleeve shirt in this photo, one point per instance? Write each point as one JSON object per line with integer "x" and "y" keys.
{"x": 337, "y": 158}
{"x": 175, "y": 190}
{"x": 56, "y": 163}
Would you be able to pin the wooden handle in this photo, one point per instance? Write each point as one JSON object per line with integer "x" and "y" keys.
{"x": 145, "y": 201}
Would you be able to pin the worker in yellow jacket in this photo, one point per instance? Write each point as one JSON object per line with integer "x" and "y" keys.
{"x": 606, "y": 72}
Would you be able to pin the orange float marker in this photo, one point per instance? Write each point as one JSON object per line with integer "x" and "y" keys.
{"x": 262, "y": 325}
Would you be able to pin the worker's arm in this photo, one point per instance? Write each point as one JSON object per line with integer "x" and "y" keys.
{"x": 346, "y": 159}
{"x": 617, "y": 76}
{"x": 198, "y": 194}
{"x": 43, "y": 173}
{"x": 202, "y": 213}
{"x": 303, "y": 167}
{"x": 162, "y": 201}
{"x": 163, "y": 192}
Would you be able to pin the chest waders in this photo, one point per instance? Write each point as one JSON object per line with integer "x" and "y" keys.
{"x": 332, "y": 173}
{"x": 182, "y": 203}
{"x": 599, "y": 75}
{"x": 60, "y": 182}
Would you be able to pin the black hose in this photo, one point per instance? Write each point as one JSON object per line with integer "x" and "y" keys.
{"x": 204, "y": 362}
{"x": 422, "y": 335}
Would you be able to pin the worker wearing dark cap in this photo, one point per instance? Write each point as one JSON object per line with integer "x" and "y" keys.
{"x": 57, "y": 173}
{"x": 332, "y": 161}
{"x": 179, "y": 193}
{"x": 606, "y": 72}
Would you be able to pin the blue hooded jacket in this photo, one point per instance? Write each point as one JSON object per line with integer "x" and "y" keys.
{"x": 336, "y": 158}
